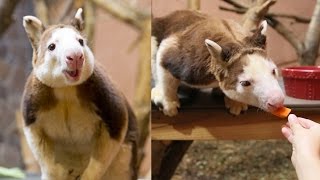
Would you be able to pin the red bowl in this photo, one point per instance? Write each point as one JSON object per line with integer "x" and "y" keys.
{"x": 302, "y": 82}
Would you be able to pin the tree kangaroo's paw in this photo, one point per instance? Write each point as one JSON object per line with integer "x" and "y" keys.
{"x": 168, "y": 107}
{"x": 234, "y": 107}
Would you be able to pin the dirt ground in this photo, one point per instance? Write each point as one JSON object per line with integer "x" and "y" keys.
{"x": 210, "y": 160}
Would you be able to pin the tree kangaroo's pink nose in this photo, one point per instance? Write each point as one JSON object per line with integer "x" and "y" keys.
{"x": 276, "y": 99}
{"x": 75, "y": 60}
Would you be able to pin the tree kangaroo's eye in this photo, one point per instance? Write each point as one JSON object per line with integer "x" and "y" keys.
{"x": 245, "y": 83}
{"x": 274, "y": 72}
{"x": 52, "y": 46}
{"x": 81, "y": 42}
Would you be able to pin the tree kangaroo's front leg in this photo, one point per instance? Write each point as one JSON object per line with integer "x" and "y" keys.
{"x": 43, "y": 150}
{"x": 103, "y": 153}
{"x": 234, "y": 107}
{"x": 164, "y": 94}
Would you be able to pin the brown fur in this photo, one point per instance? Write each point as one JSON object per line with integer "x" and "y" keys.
{"x": 190, "y": 61}
{"x": 90, "y": 122}
{"x": 36, "y": 97}
{"x": 165, "y": 26}
{"x": 98, "y": 89}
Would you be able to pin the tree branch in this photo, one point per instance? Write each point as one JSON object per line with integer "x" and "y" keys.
{"x": 238, "y": 11}
{"x": 194, "y": 4}
{"x": 66, "y": 10}
{"x": 277, "y": 25}
{"x": 6, "y": 10}
{"x": 299, "y": 19}
{"x": 89, "y": 10}
{"x": 41, "y": 10}
{"x": 124, "y": 12}
{"x": 256, "y": 13}
{"x": 312, "y": 39}
{"x": 235, "y": 4}
{"x": 296, "y": 18}
{"x": 286, "y": 33}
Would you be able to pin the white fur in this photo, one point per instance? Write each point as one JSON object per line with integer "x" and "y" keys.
{"x": 264, "y": 84}
{"x": 79, "y": 14}
{"x": 166, "y": 86}
{"x": 212, "y": 46}
{"x": 50, "y": 72}
{"x": 33, "y": 27}
{"x": 36, "y": 23}
{"x": 154, "y": 49}
{"x": 264, "y": 25}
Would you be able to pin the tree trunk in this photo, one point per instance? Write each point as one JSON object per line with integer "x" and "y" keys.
{"x": 6, "y": 10}
{"x": 309, "y": 53}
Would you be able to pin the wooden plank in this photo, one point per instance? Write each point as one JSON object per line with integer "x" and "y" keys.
{"x": 205, "y": 118}
{"x": 211, "y": 124}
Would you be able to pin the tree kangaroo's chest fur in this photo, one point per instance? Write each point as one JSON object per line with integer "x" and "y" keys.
{"x": 69, "y": 121}
{"x": 71, "y": 128}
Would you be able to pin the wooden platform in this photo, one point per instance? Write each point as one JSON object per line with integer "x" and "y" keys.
{"x": 206, "y": 118}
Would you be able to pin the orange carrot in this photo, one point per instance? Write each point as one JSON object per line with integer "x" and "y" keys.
{"x": 282, "y": 112}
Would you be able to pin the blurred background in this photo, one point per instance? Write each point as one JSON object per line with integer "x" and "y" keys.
{"x": 118, "y": 33}
{"x": 269, "y": 159}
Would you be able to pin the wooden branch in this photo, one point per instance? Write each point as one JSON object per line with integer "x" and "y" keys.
{"x": 312, "y": 39}
{"x": 238, "y": 10}
{"x": 124, "y": 12}
{"x": 235, "y": 4}
{"x": 41, "y": 10}
{"x": 66, "y": 10}
{"x": 272, "y": 21}
{"x": 142, "y": 99}
{"x": 194, "y": 4}
{"x": 89, "y": 19}
{"x": 298, "y": 19}
{"x": 6, "y": 10}
{"x": 256, "y": 13}
{"x": 286, "y": 33}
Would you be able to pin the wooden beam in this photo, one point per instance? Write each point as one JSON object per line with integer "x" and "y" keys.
{"x": 212, "y": 124}
{"x": 170, "y": 158}
{"x": 207, "y": 119}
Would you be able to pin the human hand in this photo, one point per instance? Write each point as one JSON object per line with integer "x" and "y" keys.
{"x": 304, "y": 135}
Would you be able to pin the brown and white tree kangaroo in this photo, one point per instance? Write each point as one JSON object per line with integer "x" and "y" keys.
{"x": 78, "y": 125}
{"x": 194, "y": 49}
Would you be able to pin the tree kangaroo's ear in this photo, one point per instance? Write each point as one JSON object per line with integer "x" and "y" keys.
{"x": 214, "y": 48}
{"x": 221, "y": 53}
{"x": 78, "y": 21}
{"x": 259, "y": 39}
{"x": 34, "y": 28}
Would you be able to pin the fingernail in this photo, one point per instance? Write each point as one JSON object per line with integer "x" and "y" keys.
{"x": 292, "y": 117}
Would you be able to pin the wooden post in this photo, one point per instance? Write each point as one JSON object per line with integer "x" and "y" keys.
{"x": 166, "y": 157}
{"x": 194, "y": 4}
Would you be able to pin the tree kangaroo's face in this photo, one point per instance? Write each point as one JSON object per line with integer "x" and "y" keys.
{"x": 61, "y": 55}
{"x": 255, "y": 83}
{"x": 248, "y": 76}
